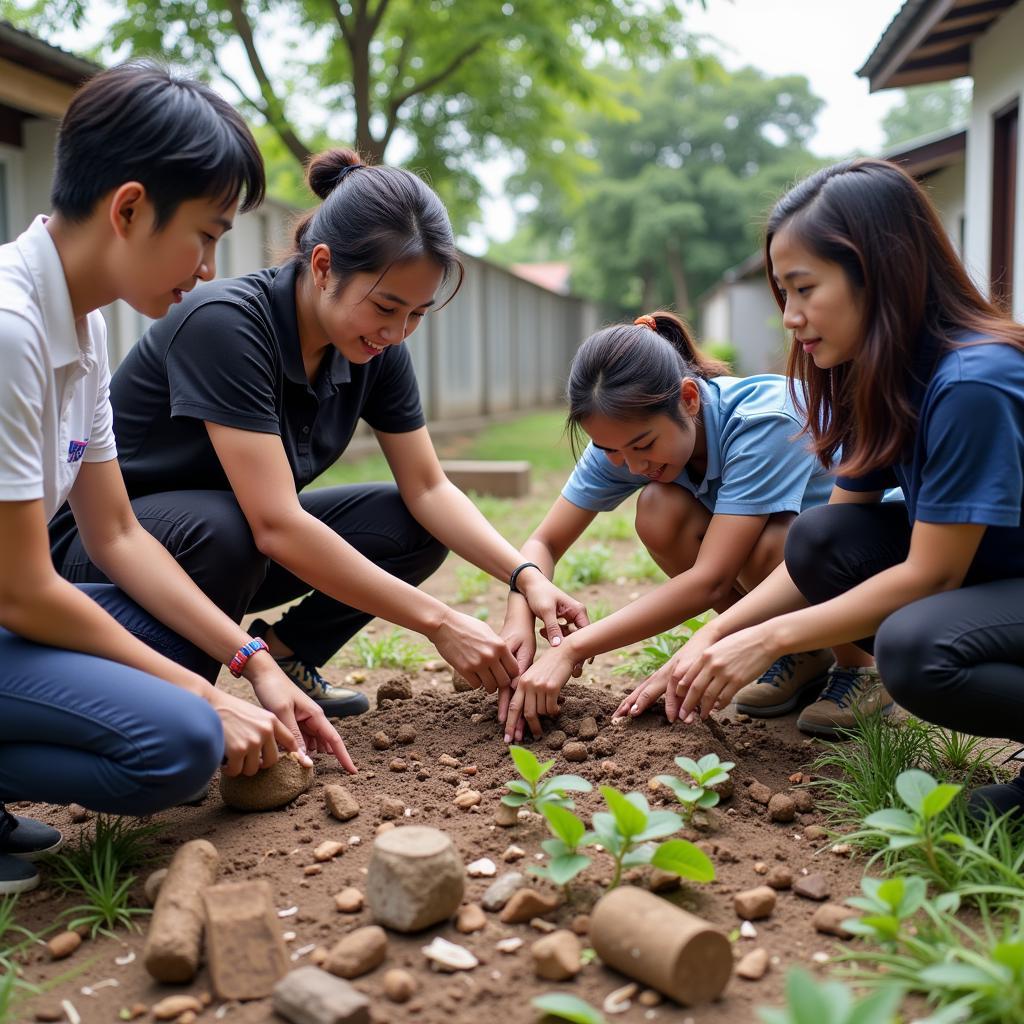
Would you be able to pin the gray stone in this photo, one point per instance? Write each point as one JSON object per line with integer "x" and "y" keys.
{"x": 500, "y": 891}
{"x": 812, "y": 887}
{"x": 312, "y": 996}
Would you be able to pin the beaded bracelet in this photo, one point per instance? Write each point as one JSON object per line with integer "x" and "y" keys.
{"x": 244, "y": 653}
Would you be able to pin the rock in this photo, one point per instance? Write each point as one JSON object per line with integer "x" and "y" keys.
{"x": 397, "y": 765}
{"x": 391, "y": 807}
{"x": 804, "y": 801}
{"x": 575, "y": 751}
{"x": 506, "y": 816}
{"x": 340, "y": 803}
{"x": 355, "y": 678}
{"x": 415, "y": 878}
{"x": 245, "y": 952}
{"x": 501, "y": 891}
{"x": 747, "y": 930}
{"x": 556, "y": 957}
{"x": 509, "y": 945}
{"x": 815, "y": 832}
{"x": 49, "y": 1014}
{"x": 349, "y": 901}
{"x": 580, "y": 924}
{"x": 588, "y": 728}
{"x": 447, "y": 956}
{"x": 812, "y": 887}
{"x": 829, "y": 918}
{"x": 761, "y": 868}
{"x": 328, "y": 850}
{"x": 448, "y": 761}
{"x": 538, "y": 924}
{"x": 754, "y": 965}
{"x": 471, "y": 919}
{"x": 396, "y": 688}
{"x": 435, "y": 666}
{"x": 780, "y": 877}
{"x": 406, "y": 734}
{"x": 176, "y": 929}
{"x": 602, "y": 747}
{"x": 63, "y": 945}
{"x": 358, "y": 953}
{"x": 556, "y": 739}
{"x": 153, "y": 883}
{"x": 512, "y": 854}
{"x": 174, "y": 1006}
{"x": 385, "y": 826}
{"x": 759, "y": 793}
{"x": 482, "y": 868}
{"x": 527, "y": 903}
{"x": 460, "y": 684}
{"x": 380, "y": 740}
{"x": 269, "y": 789}
{"x": 466, "y": 799}
{"x": 725, "y": 789}
{"x": 312, "y": 996}
{"x": 781, "y": 808}
{"x": 621, "y": 999}
{"x": 399, "y": 985}
{"x": 662, "y": 881}
{"x": 649, "y": 998}
{"x": 78, "y": 813}
{"x": 755, "y": 904}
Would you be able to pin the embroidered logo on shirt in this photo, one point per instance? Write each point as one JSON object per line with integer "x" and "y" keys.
{"x": 76, "y": 449}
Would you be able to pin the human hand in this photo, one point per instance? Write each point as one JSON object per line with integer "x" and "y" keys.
{"x": 517, "y": 632}
{"x": 251, "y": 735}
{"x": 559, "y": 613}
{"x": 536, "y": 693}
{"x": 475, "y": 651}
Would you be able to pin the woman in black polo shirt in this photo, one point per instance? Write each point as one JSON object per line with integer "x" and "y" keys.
{"x": 234, "y": 402}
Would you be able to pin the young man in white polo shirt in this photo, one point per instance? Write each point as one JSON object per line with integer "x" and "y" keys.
{"x": 100, "y": 702}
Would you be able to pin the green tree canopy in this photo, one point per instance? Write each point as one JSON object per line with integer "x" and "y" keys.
{"x": 926, "y": 109}
{"x": 456, "y": 81}
{"x": 676, "y": 194}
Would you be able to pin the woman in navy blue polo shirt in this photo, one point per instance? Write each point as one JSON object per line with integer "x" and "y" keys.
{"x": 721, "y": 473}
{"x": 920, "y": 380}
{"x": 253, "y": 386}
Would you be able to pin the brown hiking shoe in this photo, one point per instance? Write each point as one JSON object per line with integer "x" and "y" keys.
{"x": 849, "y": 692}
{"x": 779, "y": 689}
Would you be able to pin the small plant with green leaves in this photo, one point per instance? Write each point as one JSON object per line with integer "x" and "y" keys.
{"x": 532, "y": 790}
{"x": 568, "y": 833}
{"x": 660, "y": 649}
{"x": 471, "y": 582}
{"x": 698, "y": 790}
{"x": 582, "y": 567}
{"x": 964, "y": 755}
{"x": 567, "y": 1007}
{"x": 831, "y": 1002}
{"x": 389, "y": 650}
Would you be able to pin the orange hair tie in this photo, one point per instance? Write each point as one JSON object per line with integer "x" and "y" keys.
{"x": 647, "y": 321}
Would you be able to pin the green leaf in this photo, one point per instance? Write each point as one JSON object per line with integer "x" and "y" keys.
{"x": 659, "y": 824}
{"x": 913, "y": 786}
{"x": 904, "y": 842}
{"x": 629, "y": 819}
{"x": 1009, "y": 954}
{"x": 639, "y": 856}
{"x": 939, "y": 799}
{"x": 564, "y": 869}
{"x": 514, "y": 801}
{"x": 683, "y": 793}
{"x": 568, "y": 784}
{"x": 564, "y": 824}
{"x": 526, "y": 763}
{"x": 519, "y": 786}
{"x": 555, "y": 848}
{"x": 689, "y": 766}
{"x": 684, "y": 859}
{"x": 956, "y": 976}
{"x": 569, "y": 1008}
{"x": 879, "y": 1007}
{"x": 811, "y": 1003}
{"x": 892, "y": 820}
{"x": 947, "y": 902}
{"x": 708, "y": 800}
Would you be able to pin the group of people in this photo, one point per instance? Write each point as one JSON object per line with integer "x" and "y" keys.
{"x": 144, "y": 514}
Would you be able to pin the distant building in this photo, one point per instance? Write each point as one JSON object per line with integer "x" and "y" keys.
{"x": 553, "y": 276}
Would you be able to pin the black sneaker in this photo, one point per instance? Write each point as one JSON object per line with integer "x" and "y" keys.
{"x": 336, "y": 701}
{"x": 16, "y": 875}
{"x": 26, "y": 838}
{"x": 1001, "y": 798}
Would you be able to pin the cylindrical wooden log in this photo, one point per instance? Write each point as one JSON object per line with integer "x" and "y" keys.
{"x": 175, "y": 938}
{"x": 655, "y": 942}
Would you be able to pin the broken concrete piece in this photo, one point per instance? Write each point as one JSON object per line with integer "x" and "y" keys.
{"x": 312, "y": 996}
{"x": 269, "y": 789}
{"x": 415, "y": 879}
{"x": 656, "y": 943}
{"x": 176, "y": 928}
{"x": 556, "y": 957}
{"x": 391, "y": 807}
{"x": 244, "y": 947}
{"x": 525, "y": 904}
{"x": 340, "y": 803}
{"x": 358, "y": 953}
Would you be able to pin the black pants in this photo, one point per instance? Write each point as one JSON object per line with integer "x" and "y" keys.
{"x": 957, "y": 658}
{"x": 211, "y": 540}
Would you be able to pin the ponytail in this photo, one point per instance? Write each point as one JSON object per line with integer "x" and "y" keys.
{"x": 632, "y": 371}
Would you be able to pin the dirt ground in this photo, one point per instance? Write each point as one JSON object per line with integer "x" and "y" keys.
{"x": 278, "y": 846}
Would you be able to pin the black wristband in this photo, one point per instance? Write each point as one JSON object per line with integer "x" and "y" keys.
{"x": 515, "y": 575}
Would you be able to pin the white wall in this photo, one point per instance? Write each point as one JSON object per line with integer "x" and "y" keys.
{"x": 947, "y": 191}
{"x": 997, "y": 67}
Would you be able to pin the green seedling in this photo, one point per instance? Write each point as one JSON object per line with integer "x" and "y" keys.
{"x": 626, "y": 830}
{"x": 566, "y": 1007}
{"x": 889, "y": 904}
{"x": 698, "y": 791}
{"x": 107, "y": 895}
{"x": 472, "y": 582}
{"x": 530, "y": 790}
{"x": 651, "y": 656}
{"x": 584, "y": 566}
{"x": 565, "y": 862}
{"x": 390, "y": 650}
{"x": 831, "y": 1002}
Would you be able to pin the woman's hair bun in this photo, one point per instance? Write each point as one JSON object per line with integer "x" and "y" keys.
{"x": 325, "y": 171}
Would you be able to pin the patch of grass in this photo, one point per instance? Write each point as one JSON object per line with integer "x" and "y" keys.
{"x": 611, "y": 526}
{"x": 388, "y": 650}
{"x": 640, "y": 566}
{"x": 582, "y": 567}
{"x": 640, "y": 664}
{"x": 598, "y": 610}
{"x": 537, "y": 437}
{"x": 471, "y": 582}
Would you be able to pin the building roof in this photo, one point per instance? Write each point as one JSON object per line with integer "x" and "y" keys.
{"x": 930, "y": 153}
{"x": 929, "y": 41}
{"x": 554, "y": 276}
{"x": 23, "y": 48}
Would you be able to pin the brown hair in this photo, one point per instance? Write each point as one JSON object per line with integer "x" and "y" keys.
{"x": 631, "y": 371}
{"x": 876, "y": 222}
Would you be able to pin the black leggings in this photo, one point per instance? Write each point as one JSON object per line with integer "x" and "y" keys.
{"x": 211, "y": 540}
{"x": 957, "y": 658}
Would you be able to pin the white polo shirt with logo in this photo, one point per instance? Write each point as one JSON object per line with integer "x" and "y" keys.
{"x": 54, "y": 377}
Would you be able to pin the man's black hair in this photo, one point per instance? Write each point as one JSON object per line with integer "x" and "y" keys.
{"x": 176, "y": 136}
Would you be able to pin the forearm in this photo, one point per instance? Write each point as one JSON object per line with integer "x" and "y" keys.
{"x": 776, "y": 595}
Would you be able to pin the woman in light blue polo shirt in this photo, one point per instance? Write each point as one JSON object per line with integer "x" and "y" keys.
{"x": 722, "y": 472}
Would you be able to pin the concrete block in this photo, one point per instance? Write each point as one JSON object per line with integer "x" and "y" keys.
{"x": 311, "y": 996}
{"x": 501, "y": 479}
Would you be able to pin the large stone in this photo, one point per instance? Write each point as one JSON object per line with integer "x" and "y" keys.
{"x": 829, "y": 918}
{"x": 588, "y": 728}
{"x": 501, "y": 891}
{"x": 526, "y": 904}
{"x": 269, "y": 789}
{"x": 812, "y": 887}
{"x": 340, "y": 803}
{"x": 556, "y": 957}
{"x": 396, "y": 688}
{"x": 312, "y": 996}
{"x": 244, "y": 947}
{"x": 416, "y": 878}
{"x": 781, "y": 808}
{"x": 754, "y": 904}
{"x": 358, "y": 953}
{"x": 780, "y": 877}
{"x": 506, "y": 816}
